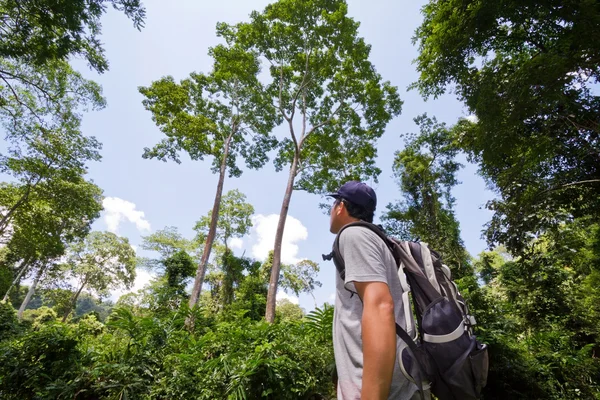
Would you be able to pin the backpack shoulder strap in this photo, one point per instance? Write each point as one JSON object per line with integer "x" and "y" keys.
{"x": 336, "y": 255}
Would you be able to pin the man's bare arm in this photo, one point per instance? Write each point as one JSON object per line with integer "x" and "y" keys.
{"x": 379, "y": 339}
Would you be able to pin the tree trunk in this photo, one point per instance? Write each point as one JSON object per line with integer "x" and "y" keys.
{"x": 275, "y": 268}
{"x": 22, "y": 268}
{"x": 30, "y": 292}
{"x": 212, "y": 229}
{"x": 73, "y": 302}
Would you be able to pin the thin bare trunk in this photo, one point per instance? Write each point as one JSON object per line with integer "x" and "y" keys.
{"x": 73, "y": 301}
{"x": 22, "y": 267}
{"x": 212, "y": 229}
{"x": 274, "y": 281}
{"x": 30, "y": 292}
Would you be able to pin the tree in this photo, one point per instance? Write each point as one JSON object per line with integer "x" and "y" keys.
{"x": 426, "y": 172}
{"x": 36, "y": 33}
{"x": 101, "y": 262}
{"x": 178, "y": 268}
{"x": 218, "y": 114}
{"x": 527, "y": 70}
{"x": 62, "y": 214}
{"x": 41, "y": 96}
{"x": 539, "y": 313}
{"x": 234, "y": 222}
{"x": 333, "y": 102}
{"x": 234, "y": 218}
{"x": 288, "y": 311}
{"x": 166, "y": 242}
{"x": 44, "y": 141}
{"x": 296, "y": 278}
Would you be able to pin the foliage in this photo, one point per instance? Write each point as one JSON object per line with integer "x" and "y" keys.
{"x": 540, "y": 317}
{"x": 297, "y": 278}
{"x": 41, "y": 364}
{"x": 300, "y": 277}
{"x": 166, "y": 242}
{"x": 178, "y": 267}
{"x": 37, "y": 33}
{"x": 288, "y": 311}
{"x": 235, "y": 218}
{"x": 320, "y": 323}
{"x": 39, "y": 316}
{"x": 137, "y": 356}
{"x": 527, "y": 71}
{"x": 8, "y": 321}
{"x": 101, "y": 262}
{"x": 426, "y": 173}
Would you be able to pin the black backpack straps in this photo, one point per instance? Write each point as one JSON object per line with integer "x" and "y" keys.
{"x": 372, "y": 227}
{"x": 338, "y": 260}
{"x": 414, "y": 350}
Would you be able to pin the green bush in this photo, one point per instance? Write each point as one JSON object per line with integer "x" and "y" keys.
{"x": 42, "y": 364}
{"x": 9, "y": 324}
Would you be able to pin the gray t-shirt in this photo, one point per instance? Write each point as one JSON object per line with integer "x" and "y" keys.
{"x": 367, "y": 259}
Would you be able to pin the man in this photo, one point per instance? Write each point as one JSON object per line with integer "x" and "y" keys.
{"x": 368, "y": 304}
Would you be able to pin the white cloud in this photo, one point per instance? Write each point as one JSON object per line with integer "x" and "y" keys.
{"x": 332, "y": 297}
{"x": 473, "y": 118}
{"x": 264, "y": 233}
{"x": 236, "y": 243}
{"x": 283, "y": 295}
{"x": 116, "y": 210}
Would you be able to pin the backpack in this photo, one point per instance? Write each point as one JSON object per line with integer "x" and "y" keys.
{"x": 439, "y": 350}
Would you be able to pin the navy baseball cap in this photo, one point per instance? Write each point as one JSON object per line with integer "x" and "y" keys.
{"x": 357, "y": 193}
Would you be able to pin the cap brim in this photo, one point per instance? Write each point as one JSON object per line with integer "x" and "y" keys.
{"x": 334, "y": 195}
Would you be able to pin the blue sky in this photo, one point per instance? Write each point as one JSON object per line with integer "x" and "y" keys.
{"x": 147, "y": 195}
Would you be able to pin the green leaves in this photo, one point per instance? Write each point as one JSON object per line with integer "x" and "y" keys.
{"x": 426, "y": 172}
{"x": 526, "y": 70}
{"x": 102, "y": 261}
{"x": 539, "y": 314}
{"x": 205, "y": 112}
{"x": 322, "y": 84}
{"x": 234, "y": 218}
{"x": 38, "y": 33}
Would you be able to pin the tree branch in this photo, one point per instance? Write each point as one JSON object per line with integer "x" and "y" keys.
{"x": 569, "y": 185}
{"x": 287, "y": 118}
{"x": 328, "y": 120}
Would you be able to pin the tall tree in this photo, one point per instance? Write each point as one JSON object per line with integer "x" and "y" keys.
{"x": 234, "y": 222}
{"x": 100, "y": 262}
{"x": 527, "y": 70}
{"x": 426, "y": 172}
{"x": 218, "y": 114}
{"x": 62, "y": 214}
{"x": 234, "y": 218}
{"x": 300, "y": 277}
{"x": 166, "y": 242}
{"x": 41, "y": 96}
{"x": 333, "y": 102}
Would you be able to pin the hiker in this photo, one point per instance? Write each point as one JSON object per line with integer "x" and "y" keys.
{"x": 368, "y": 304}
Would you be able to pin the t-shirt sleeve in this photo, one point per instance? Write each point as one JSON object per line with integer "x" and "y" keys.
{"x": 361, "y": 250}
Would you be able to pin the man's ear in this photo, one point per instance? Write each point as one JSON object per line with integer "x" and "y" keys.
{"x": 341, "y": 206}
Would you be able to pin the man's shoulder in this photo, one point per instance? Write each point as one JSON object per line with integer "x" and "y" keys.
{"x": 359, "y": 233}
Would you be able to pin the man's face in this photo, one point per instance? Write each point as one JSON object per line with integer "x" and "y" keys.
{"x": 334, "y": 216}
